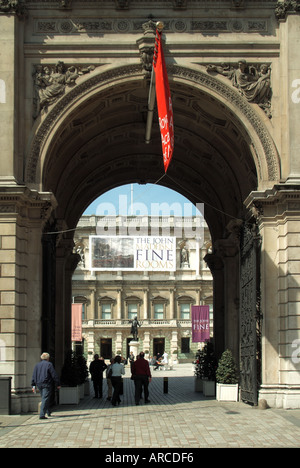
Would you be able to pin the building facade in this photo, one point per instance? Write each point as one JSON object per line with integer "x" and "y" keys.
{"x": 161, "y": 300}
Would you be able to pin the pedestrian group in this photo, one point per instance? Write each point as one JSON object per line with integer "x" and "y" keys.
{"x": 45, "y": 378}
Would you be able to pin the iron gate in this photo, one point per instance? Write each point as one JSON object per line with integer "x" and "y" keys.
{"x": 250, "y": 314}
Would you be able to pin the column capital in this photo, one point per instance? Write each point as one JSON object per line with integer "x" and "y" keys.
{"x": 275, "y": 202}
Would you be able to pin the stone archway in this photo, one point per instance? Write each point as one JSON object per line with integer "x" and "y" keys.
{"x": 93, "y": 139}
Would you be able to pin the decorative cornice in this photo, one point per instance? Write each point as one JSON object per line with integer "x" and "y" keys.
{"x": 16, "y": 7}
{"x": 286, "y": 7}
{"x": 26, "y": 203}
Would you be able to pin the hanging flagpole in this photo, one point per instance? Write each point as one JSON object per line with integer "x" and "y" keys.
{"x": 163, "y": 98}
{"x": 151, "y": 103}
{"x": 151, "y": 97}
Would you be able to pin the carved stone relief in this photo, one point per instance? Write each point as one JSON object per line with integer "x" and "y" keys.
{"x": 252, "y": 81}
{"x": 51, "y": 81}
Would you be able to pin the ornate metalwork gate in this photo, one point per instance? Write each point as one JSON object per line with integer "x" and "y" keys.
{"x": 250, "y": 316}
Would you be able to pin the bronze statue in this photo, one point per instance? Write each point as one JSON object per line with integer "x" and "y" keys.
{"x": 134, "y": 328}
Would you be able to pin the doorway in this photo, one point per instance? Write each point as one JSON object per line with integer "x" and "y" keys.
{"x": 106, "y": 348}
{"x": 158, "y": 346}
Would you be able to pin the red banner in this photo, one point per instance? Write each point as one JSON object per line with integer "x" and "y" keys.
{"x": 200, "y": 324}
{"x": 164, "y": 102}
{"x": 76, "y": 322}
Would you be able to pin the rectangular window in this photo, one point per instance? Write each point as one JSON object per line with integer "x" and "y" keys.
{"x": 106, "y": 311}
{"x": 185, "y": 311}
{"x": 132, "y": 311}
{"x": 185, "y": 345}
{"x": 158, "y": 311}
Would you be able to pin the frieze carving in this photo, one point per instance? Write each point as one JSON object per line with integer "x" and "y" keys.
{"x": 124, "y": 25}
{"x": 50, "y": 83}
{"x": 252, "y": 81}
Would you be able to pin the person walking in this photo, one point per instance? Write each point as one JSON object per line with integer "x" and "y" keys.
{"x": 131, "y": 359}
{"x": 108, "y": 380}
{"x": 97, "y": 367}
{"x": 44, "y": 377}
{"x": 142, "y": 377}
{"x": 116, "y": 379}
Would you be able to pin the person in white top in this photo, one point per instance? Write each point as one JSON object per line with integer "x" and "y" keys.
{"x": 116, "y": 379}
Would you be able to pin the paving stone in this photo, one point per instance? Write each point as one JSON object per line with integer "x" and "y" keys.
{"x": 179, "y": 419}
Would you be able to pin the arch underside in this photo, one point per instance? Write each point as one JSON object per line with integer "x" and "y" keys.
{"x": 99, "y": 143}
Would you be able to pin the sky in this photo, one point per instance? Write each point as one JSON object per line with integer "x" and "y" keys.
{"x": 136, "y": 199}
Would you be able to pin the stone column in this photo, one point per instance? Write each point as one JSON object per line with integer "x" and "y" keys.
{"x": 22, "y": 216}
{"x": 93, "y": 303}
{"x": 216, "y": 265}
{"x": 119, "y": 305}
{"x": 9, "y": 92}
{"x": 290, "y": 102}
{"x": 278, "y": 215}
{"x": 66, "y": 263}
{"x": 228, "y": 249}
{"x": 172, "y": 304}
{"x": 145, "y": 304}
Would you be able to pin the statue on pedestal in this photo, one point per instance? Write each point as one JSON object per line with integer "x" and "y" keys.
{"x": 134, "y": 328}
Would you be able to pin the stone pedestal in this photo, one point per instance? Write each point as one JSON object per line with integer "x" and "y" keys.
{"x": 134, "y": 347}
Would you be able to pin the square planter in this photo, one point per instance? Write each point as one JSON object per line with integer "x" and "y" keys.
{"x": 227, "y": 392}
{"x": 198, "y": 384}
{"x": 69, "y": 395}
{"x": 209, "y": 388}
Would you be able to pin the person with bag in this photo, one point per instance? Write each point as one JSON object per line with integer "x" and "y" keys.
{"x": 117, "y": 370}
{"x": 142, "y": 376}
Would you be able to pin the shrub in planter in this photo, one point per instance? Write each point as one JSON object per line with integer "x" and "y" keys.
{"x": 69, "y": 373}
{"x": 199, "y": 371}
{"x": 209, "y": 370}
{"x": 199, "y": 364}
{"x": 80, "y": 363}
{"x": 209, "y": 362}
{"x": 227, "y": 372}
{"x": 227, "y": 378}
{"x": 69, "y": 392}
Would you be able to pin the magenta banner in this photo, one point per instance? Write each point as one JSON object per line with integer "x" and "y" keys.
{"x": 200, "y": 323}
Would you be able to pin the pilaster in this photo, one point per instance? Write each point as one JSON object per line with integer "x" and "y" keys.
{"x": 23, "y": 214}
{"x": 278, "y": 216}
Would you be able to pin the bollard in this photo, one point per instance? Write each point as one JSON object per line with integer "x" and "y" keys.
{"x": 166, "y": 384}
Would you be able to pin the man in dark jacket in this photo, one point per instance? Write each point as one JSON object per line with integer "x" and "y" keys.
{"x": 44, "y": 377}
{"x": 142, "y": 376}
{"x": 97, "y": 367}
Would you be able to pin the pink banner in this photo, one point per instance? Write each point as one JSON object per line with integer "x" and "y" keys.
{"x": 200, "y": 324}
{"x": 76, "y": 322}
